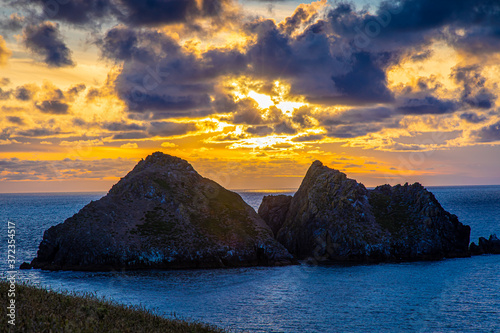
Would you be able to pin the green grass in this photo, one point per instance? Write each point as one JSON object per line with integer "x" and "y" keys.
{"x": 40, "y": 310}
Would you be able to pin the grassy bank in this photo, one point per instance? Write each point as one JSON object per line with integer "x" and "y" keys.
{"x": 40, "y": 310}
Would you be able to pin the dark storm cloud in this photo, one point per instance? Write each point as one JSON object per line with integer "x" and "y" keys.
{"x": 471, "y": 117}
{"x": 284, "y": 127}
{"x": 259, "y": 130}
{"x": 132, "y": 12}
{"x": 156, "y": 12}
{"x": 340, "y": 58}
{"x": 130, "y": 136}
{"x": 488, "y": 133}
{"x": 46, "y": 41}
{"x": 352, "y": 131}
{"x": 159, "y": 77}
{"x": 355, "y": 116}
{"x": 52, "y": 107}
{"x": 293, "y": 22}
{"x": 165, "y": 128}
{"x": 316, "y": 66}
{"x": 366, "y": 82}
{"x": 309, "y": 137}
{"x": 78, "y": 12}
{"x": 474, "y": 93}
{"x": 122, "y": 127}
{"x": 122, "y": 43}
{"x": 427, "y": 105}
{"x": 247, "y": 113}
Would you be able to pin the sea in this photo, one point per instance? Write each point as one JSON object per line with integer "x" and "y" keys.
{"x": 452, "y": 295}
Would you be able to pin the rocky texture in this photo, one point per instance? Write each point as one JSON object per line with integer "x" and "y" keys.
{"x": 334, "y": 218}
{"x": 163, "y": 214}
{"x": 486, "y": 246}
{"x": 273, "y": 210}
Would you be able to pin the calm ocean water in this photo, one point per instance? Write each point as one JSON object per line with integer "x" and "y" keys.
{"x": 445, "y": 296}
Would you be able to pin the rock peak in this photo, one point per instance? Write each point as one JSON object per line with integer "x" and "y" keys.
{"x": 317, "y": 163}
{"x": 159, "y": 160}
{"x": 332, "y": 217}
{"x": 162, "y": 214}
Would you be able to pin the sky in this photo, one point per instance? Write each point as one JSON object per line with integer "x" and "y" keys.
{"x": 249, "y": 92}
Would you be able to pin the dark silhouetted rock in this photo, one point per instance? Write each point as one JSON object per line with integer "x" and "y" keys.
{"x": 25, "y": 265}
{"x": 334, "y": 218}
{"x": 273, "y": 210}
{"x": 486, "y": 246}
{"x": 475, "y": 250}
{"x": 164, "y": 215}
{"x": 494, "y": 244}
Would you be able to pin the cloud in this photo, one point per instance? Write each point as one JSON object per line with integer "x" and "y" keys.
{"x": 427, "y": 105}
{"x": 7, "y": 142}
{"x": 5, "y": 53}
{"x": 16, "y": 120}
{"x": 366, "y": 82}
{"x": 25, "y": 92}
{"x": 4, "y": 81}
{"x": 122, "y": 127}
{"x": 5, "y": 94}
{"x": 130, "y": 145}
{"x": 38, "y": 132}
{"x": 167, "y": 144}
{"x": 53, "y": 107}
{"x": 166, "y": 129}
{"x": 161, "y": 78}
{"x": 14, "y": 23}
{"x": 46, "y": 41}
{"x": 16, "y": 169}
{"x": 473, "y": 118}
{"x": 352, "y": 131}
{"x": 259, "y": 130}
{"x": 78, "y": 12}
{"x": 489, "y": 133}
{"x": 474, "y": 93}
{"x": 131, "y": 12}
{"x": 284, "y": 127}
{"x": 356, "y": 116}
{"x": 309, "y": 138}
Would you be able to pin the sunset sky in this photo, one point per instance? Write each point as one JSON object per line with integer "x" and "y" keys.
{"x": 249, "y": 92}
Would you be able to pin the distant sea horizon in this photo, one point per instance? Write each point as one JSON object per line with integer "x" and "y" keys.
{"x": 260, "y": 190}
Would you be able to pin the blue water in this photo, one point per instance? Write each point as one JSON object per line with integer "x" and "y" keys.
{"x": 445, "y": 296}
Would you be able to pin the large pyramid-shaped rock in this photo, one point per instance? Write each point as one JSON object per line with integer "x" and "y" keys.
{"x": 163, "y": 214}
{"x": 332, "y": 217}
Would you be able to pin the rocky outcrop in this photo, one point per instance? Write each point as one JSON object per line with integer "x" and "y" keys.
{"x": 486, "y": 246}
{"x": 273, "y": 210}
{"x": 163, "y": 215}
{"x": 334, "y": 218}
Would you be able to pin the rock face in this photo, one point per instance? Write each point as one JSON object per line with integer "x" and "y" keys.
{"x": 486, "y": 246}
{"x": 334, "y": 218}
{"x": 163, "y": 215}
{"x": 273, "y": 210}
